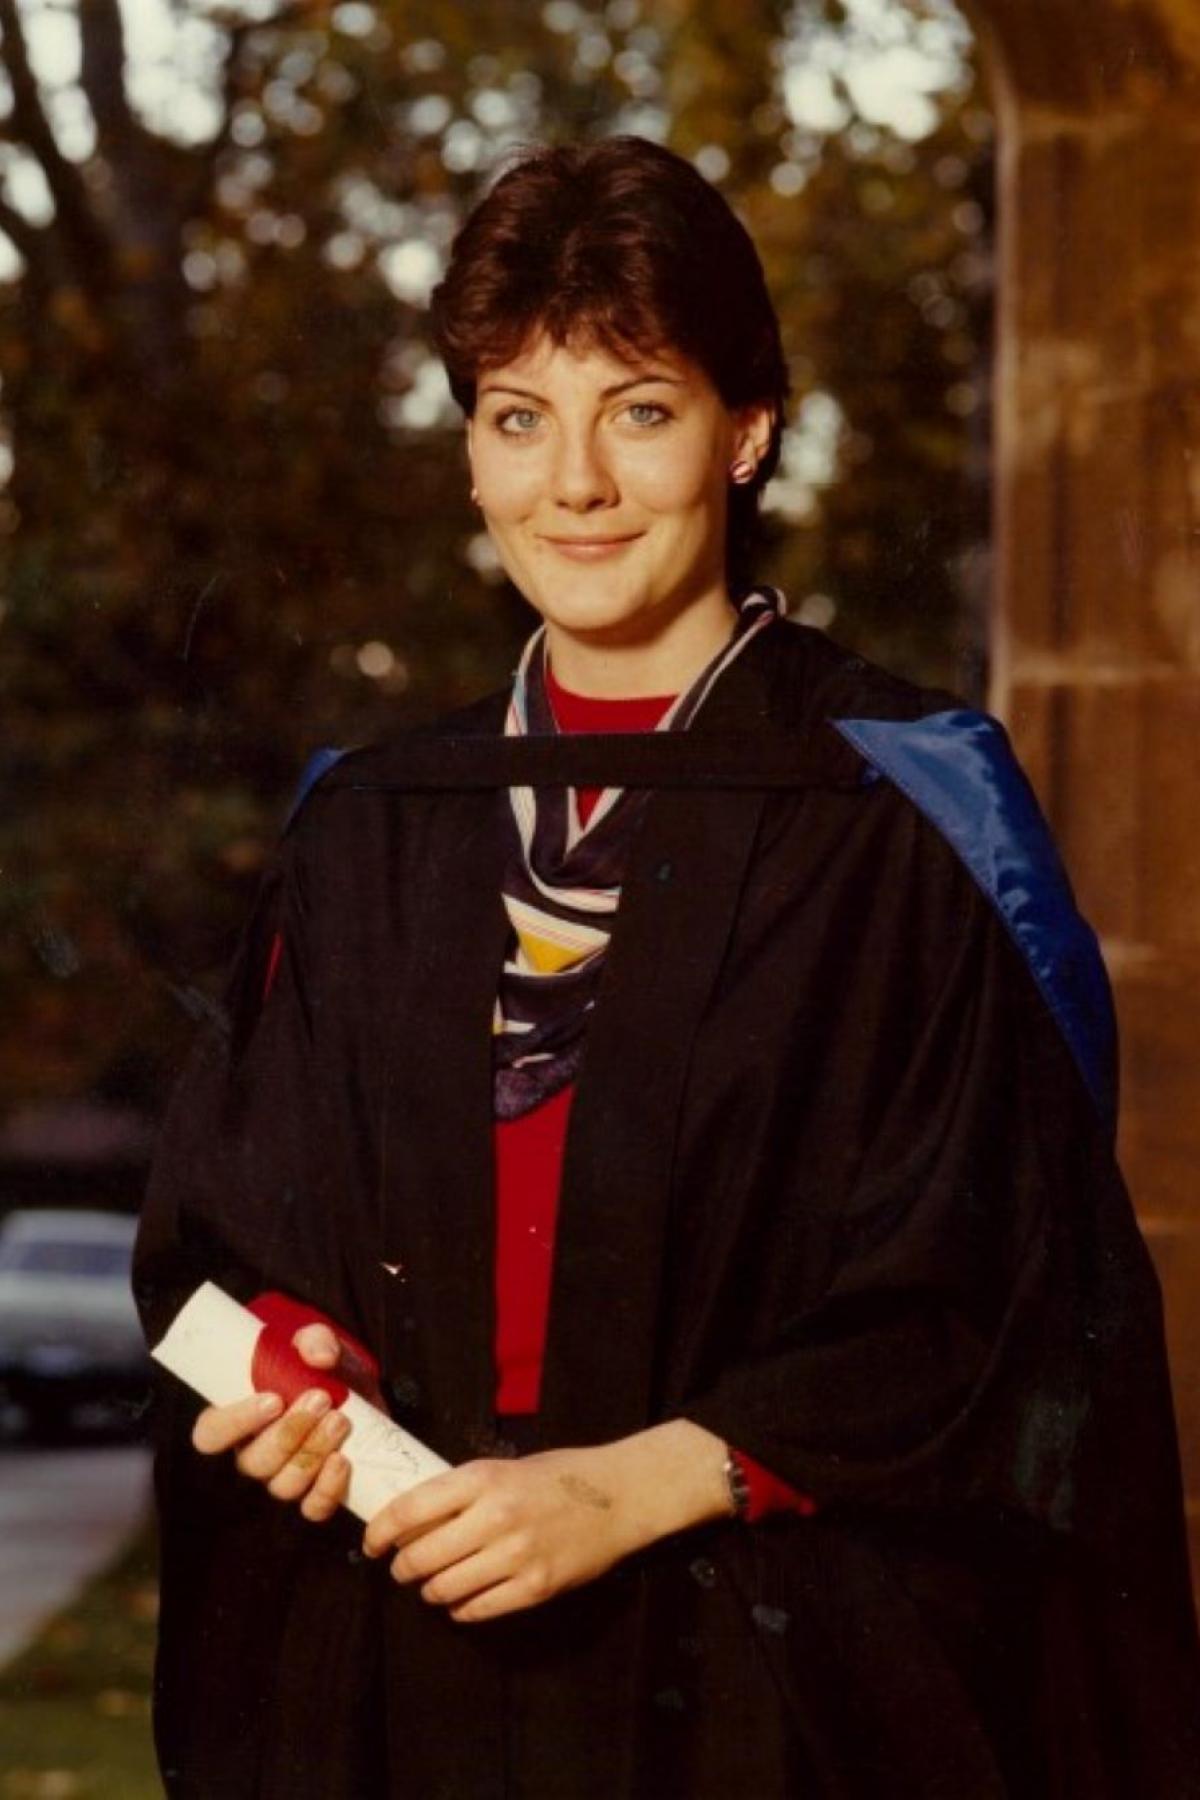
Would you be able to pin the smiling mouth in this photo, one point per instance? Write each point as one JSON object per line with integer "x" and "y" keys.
{"x": 592, "y": 546}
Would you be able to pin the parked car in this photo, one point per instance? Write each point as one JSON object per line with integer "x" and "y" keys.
{"x": 69, "y": 1332}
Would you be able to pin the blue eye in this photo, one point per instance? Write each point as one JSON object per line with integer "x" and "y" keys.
{"x": 643, "y": 407}
{"x": 527, "y": 416}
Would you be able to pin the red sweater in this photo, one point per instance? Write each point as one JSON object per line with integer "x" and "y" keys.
{"x": 529, "y": 1155}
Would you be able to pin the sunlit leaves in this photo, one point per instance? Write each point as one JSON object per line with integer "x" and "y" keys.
{"x": 235, "y": 515}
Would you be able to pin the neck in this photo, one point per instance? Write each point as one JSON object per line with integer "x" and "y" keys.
{"x": 644, "y": 663}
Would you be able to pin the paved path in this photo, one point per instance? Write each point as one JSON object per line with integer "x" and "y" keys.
{"x": 64, "y": 1514}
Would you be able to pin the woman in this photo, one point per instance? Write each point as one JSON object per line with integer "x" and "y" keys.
{"x": 806, "y": 1397}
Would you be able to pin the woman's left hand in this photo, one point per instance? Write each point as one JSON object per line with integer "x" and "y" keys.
{"x": 500, "y": 1534}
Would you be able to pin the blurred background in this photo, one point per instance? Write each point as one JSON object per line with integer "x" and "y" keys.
{"x": 235, "y": 517}
{"x": 234, "y": 526}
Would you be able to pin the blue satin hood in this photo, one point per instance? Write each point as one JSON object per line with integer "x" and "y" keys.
{"x": 958, "y": 768}
{"x": 318, "y": 765}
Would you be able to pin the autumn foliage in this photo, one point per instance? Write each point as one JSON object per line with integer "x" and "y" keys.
{"x": 236, "y": 524}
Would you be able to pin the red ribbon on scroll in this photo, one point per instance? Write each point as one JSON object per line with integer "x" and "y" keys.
{"x": 279, "y": 1368}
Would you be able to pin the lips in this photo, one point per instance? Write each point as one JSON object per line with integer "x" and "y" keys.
{"x": 591, "y": 549}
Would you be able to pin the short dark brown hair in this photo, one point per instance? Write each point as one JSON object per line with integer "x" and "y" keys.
{"x": 623, "y": 244}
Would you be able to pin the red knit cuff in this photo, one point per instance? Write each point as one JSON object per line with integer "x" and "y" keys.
{"x": 284, "y": 1317}
{"x": 767, "y": 1493}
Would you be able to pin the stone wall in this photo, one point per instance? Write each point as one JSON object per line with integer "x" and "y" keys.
{"x": 1096, "y": 618}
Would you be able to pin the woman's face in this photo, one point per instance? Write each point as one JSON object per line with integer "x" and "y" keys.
{"x": 604, "y": 486}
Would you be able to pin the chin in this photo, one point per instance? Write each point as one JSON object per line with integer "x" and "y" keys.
{"x": 587, "y": 616}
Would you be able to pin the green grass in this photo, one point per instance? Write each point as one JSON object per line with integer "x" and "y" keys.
{"x": 75, "y": 1705}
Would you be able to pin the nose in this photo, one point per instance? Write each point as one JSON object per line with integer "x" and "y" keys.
{"x": 582, "y": 477}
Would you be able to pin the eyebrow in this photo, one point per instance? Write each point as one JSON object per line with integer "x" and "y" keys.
{"x": 608, "y": 393}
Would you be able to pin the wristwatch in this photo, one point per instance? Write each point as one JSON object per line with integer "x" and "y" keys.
{"x": 737, "y": 1485}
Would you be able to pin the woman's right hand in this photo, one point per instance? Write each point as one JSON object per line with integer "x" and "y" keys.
{"x": 295, "y": 1453}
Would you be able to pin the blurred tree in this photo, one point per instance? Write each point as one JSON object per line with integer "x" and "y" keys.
{"x": 877, "y": 245}
{"x": 235, "y": 522}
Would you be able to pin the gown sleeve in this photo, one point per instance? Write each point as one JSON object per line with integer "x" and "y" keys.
{"x": 983, "y": 1367}
{"x": 988, "y": 1338}
{"x": 265, "y": 1622}
{"x": 245, "y": 1166}
{"x": 986, "y": 1265}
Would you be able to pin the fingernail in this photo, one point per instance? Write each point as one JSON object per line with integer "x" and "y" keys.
{"x": 340, "y": 1427}
{"x": 268, "y": 1403}
{"x": 316, "y": 1400}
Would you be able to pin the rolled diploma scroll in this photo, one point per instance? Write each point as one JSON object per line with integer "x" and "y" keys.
{"x": 211, "y": 1345}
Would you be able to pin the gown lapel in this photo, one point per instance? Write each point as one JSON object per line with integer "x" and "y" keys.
{"x": 438, "y": 1208}
{"x": 678, "y": 905}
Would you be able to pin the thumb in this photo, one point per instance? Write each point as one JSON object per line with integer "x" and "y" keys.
{"x": 318, "y": 1345}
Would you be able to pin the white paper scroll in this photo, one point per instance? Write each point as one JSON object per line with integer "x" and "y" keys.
{"x": 211, "y": 1347}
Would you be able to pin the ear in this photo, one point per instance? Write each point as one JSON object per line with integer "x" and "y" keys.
{"x": 752, "y": 428}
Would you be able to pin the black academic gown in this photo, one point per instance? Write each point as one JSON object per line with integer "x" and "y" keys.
{"x": 835, "y": 1187}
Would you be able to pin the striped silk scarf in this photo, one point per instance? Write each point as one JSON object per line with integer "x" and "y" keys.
{"x": 562, "y": 885}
